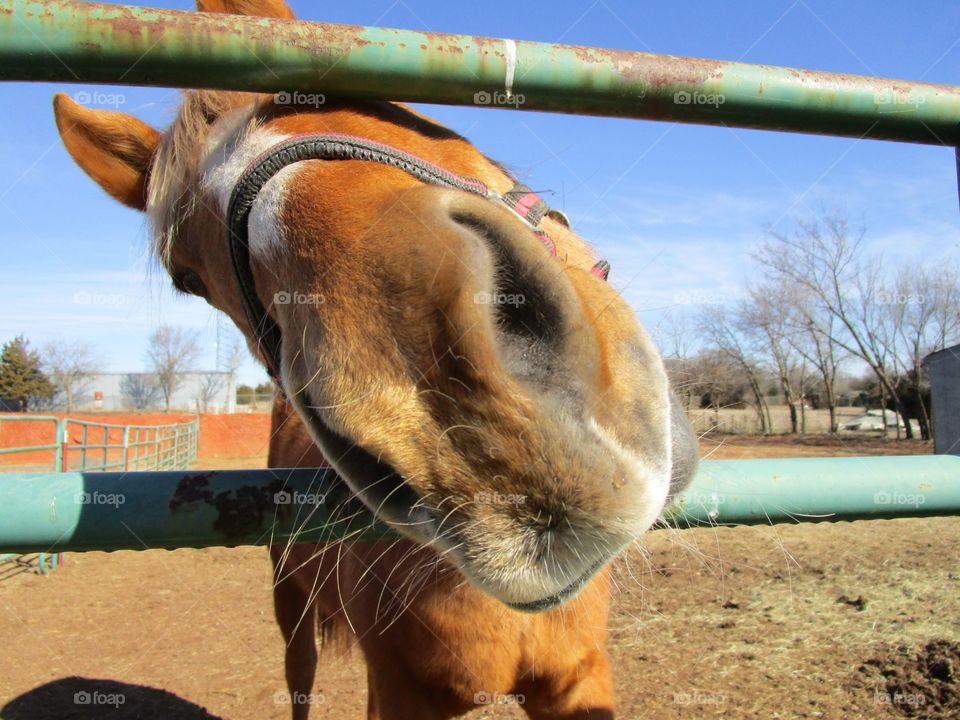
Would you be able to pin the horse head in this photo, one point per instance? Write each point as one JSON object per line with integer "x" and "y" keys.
{"x": 469, "y": 375}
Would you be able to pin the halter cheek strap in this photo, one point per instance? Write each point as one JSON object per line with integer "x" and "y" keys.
{"x": 522, "y": 200}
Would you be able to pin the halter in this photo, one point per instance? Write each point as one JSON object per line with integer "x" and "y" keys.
{"x": 521, "y": 199}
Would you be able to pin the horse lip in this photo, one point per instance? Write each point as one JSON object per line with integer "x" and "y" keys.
{"x": 389, "y": 497}
{"x": 552, "y": 601}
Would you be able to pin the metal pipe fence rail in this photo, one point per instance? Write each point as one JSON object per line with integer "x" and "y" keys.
{"x": 45, "y": 561}
{"x": 85, "y": 445}
{"x": 89, "y": 445}
{"x": 135, "y": 511}
{"x": 68, "y": 41}
{"x": 130, "y": 447}
{"x": 15, "y": 563}
{"x": 55, "y": 446}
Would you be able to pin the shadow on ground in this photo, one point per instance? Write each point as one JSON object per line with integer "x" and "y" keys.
{"x": 77, "y": 698}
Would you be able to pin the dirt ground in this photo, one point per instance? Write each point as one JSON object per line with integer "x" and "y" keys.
{"x": 830, "y": 620}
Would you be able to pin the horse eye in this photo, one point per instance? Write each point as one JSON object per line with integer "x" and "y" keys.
{"x": 188, "y": 282}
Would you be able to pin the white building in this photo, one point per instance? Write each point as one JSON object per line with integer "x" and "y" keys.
{"x": 193, "y": 392}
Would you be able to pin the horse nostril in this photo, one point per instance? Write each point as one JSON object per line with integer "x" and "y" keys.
{"x": 522, "y": 298}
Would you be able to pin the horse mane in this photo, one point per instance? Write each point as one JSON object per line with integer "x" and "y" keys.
{"x": 172, "y": 188}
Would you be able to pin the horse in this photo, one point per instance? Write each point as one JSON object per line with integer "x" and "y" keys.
{"x": 451, "y": 347}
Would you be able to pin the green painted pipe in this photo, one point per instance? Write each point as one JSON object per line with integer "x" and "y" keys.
{"x": 55, "y": 512}
{"x": 172, "y": 509}
{"x": 64, "y": 41}
{"x": 760, "y": 492}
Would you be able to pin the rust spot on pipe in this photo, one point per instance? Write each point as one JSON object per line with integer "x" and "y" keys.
{"x": 192, "y": 488}
{"x": 247, "y": 509}
{"x": 243, "y": 512}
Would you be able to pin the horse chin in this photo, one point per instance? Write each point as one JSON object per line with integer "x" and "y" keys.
{"x": 559, "y": 598}
{"x": 546, "y": 602}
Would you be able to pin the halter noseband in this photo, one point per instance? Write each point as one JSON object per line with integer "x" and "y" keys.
{"x": 521, "y": 199}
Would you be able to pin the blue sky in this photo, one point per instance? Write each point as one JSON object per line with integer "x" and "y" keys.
{"x": 675, "y": 208}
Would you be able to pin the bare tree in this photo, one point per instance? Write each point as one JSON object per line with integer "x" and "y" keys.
{"x": 719, "y": 327}
{"x": 674, "y": 335}
{"x": 211, "y": 385}
{"x": 236, "y": 352}
{"x": 813, "y": 339}
{"x": 171, "y": 352}
{"x": 767, "y": 312}
{"x": 825, "y": 258}
{"x": 139, "y": 390}
{"x": 718, "y": 382}
{"x": 69, "y": 366}
{"x": 946, "y": 309}
{"x": 924, "y": 312}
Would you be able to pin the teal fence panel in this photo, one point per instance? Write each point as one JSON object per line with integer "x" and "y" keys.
{"x": 89, "y": 446}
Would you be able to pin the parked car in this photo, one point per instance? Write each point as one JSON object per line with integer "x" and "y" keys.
{"x": 874, "y": 421}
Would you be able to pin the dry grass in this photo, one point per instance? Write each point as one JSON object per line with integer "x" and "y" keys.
{"x": 743, "y": 421}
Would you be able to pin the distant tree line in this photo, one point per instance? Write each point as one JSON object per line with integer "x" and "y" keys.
{"x": 22, "y": 381}
{"x": 59, "y": 373}
{"x": 821, "y": 303}
{"x": 252, "y": 395}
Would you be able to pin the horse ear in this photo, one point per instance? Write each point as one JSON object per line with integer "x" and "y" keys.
{"x": 113, "y": 148}
{"x": 258, "y": 8}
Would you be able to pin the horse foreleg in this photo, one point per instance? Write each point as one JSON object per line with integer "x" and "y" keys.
{"x": 296, "y": 613}
{"x": 394, "y": 695}
{"x": 584, "y": 692}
